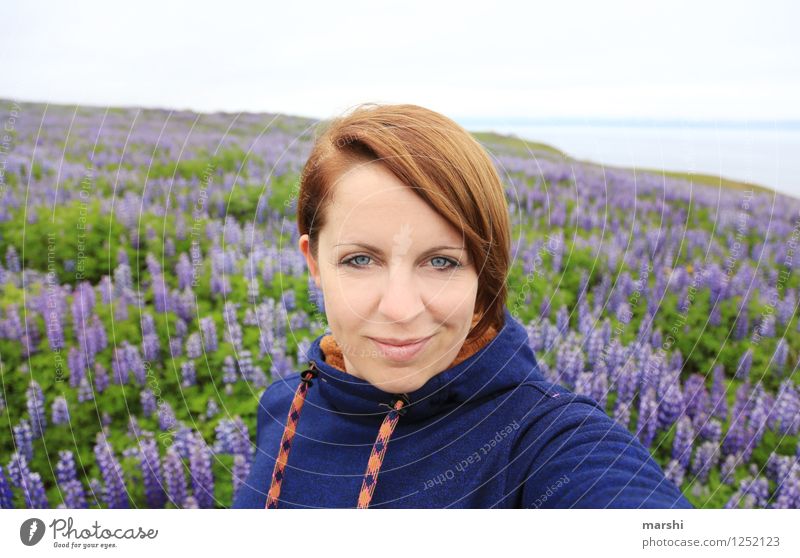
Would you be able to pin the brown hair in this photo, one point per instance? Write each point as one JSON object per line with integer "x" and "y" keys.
{"x": 444, "y": 165}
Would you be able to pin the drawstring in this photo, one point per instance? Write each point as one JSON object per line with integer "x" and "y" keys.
{"x": 396, "y": 409}
{"x": 378, "y": 451}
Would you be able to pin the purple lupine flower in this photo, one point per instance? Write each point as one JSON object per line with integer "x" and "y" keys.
{"x": 682, "y": 443}
{"x": 184, "y": 271}
{"x": 60, "y": 410}
{"x": 562, "y": 320}
{"x": 85, "y": 392}
{"x": 35, "y": 401}
{"x": 224, "y": 436}
{"x": 229, "y": 370}
{"x": 201, "y": 473}
{"x": 719, "y": 403}
{"x": 148, "y": 324}
{"x": 241, "y": 444}
{"x": 6, "y": 495}
{"x": 675, "y": 472}
{"x": 788, "y": 488}
{"x": 728, "y": 468}
{"x": 181, "y": 329}
{"x": 711, "y": 430}
{"x": 234, "y": 335}
{"x": 745, "y": 363}
{"x": 115, "y": 494}
{"x": 648, "y": 417}
{"x": 766, "y": 328}
{"x": 190, "y": 503}
{"x": 734, "y": 441}
{"x": 97, "y": 340}
{"x": 758, "y": 488}
{"x": 74, "y": 496}
{"x": 282, "y": 366}
{"x": 600, "y": 384}
{"x": 76, "y": 362}
{"x": 671, "y": 401}
{"x": 151, "y": 473}
{"x": 148, "y": 401}
{"x": 101, "y": 380}
{"x": 253, "y": 288}
{"x": 705, "y": 458}
{"x": 65, "y": 468}
{"x": 696, "y": 398}
{"x": 209, "y": 331}
{"x": 174, "y": 477}
{"x": 786, "y": 307}
{"x": 175, "y": 347}
{"x": 188, "y": 374}
{"x": 302, "y": 352}
{"x": 245, "y": 365}
{"x": 17, "y": 468}
{"x": 151, "y": 348}
{"x": 33, "y": 490}
{"x": 266, "y": 341}
{"x": 106, "y": 289}
{"x": 787, "y": 408}
{"x": 241, "y": 470}
{"x": 119, "y": 365}
{"x": 232, "y": 437}
{"x": 166, "y": 416}
{"x": 583, "y": 383}
{"x": 212, "y": 408}
{"x": 55, "y": 335}
{"x": 135, "y": 363}
{"x": 23, "y": 436}
{"x": 183, "y": 439}
{"x": 12, "y": 260}
{"x": 134, "y": 430}
{"x": 622, "y": 413}
{"x": 739, "y": 500}
{"x": 742, "y": 325}
{"x": 778, "y": 467}
{"x": 194, "y": 346}
{"x": 623, "y": 312}
{"x": 288, "y": 300}
{"x": 780, "y": 357}
{"x": 95, "y": 491}
{"x": 627, "y": 382}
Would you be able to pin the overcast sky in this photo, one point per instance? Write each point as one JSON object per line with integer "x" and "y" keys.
{"x": 469, "y": 60}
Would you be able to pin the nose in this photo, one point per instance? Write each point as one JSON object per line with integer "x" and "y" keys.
{"x": 401, "y": 300}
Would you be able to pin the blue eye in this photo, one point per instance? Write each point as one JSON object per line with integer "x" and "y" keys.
{"x": 350, "y": 262}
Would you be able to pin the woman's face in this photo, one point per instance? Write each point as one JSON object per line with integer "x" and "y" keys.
{"x": 390, "y": 267}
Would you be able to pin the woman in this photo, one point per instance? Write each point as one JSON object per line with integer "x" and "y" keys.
{"x": 426, "y": 392}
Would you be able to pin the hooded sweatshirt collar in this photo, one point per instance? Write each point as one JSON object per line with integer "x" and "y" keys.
{"x": 503, "y": 362}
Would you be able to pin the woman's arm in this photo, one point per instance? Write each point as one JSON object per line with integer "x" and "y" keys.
{"x": 576, "y": 456}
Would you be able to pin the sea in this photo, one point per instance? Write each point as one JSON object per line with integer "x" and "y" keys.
{"x": 767, "y": 154}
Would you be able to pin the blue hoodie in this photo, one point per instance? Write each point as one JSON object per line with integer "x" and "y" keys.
{"x": 488, "y": 432}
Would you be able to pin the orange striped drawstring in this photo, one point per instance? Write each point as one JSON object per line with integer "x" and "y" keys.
{"x": 375, "y": 458}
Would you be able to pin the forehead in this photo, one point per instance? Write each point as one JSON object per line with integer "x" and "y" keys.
{"x": 369, "y": 201}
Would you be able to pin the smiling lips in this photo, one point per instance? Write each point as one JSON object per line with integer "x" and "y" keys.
{"x": 400, "y": 350}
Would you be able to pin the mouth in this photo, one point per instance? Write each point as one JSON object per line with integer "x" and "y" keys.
{"x": 400, "y": 350}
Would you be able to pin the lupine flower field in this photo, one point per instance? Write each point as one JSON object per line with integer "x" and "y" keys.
{"x": 151, "y": 288}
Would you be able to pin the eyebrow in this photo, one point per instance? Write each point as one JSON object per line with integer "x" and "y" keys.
{"x": 378, "y": 250}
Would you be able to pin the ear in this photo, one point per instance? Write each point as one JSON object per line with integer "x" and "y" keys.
{"x": 313, "y": 268}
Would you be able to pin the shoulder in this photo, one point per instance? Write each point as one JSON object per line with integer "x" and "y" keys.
{"x": 571, "y": 446}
